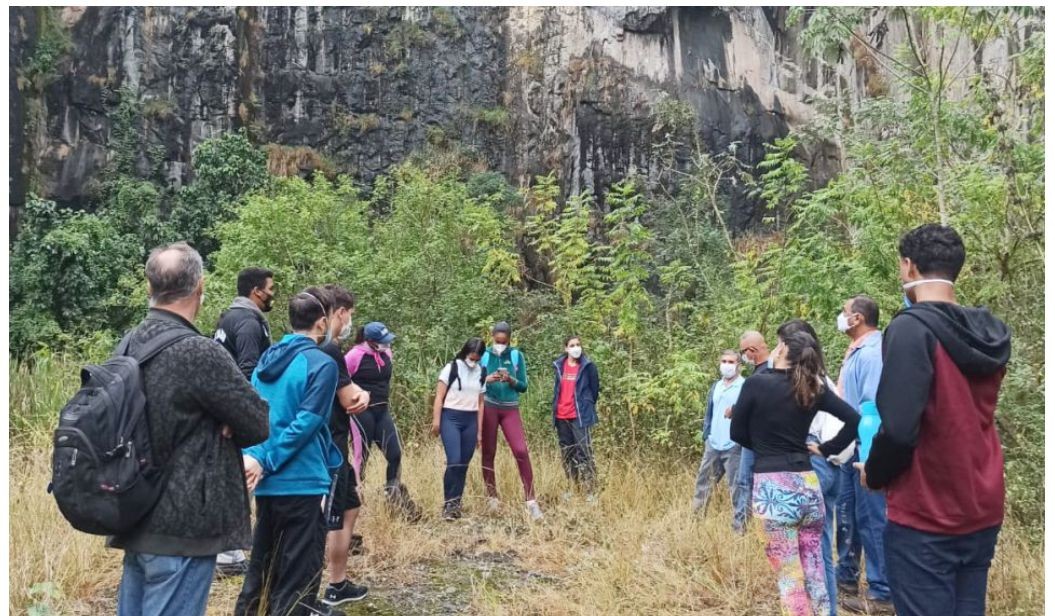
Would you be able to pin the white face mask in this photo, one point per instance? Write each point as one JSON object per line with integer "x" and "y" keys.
{"x": 201, "y": 300}
{"x": 471, "y": 363}
{"x": 575, "y": 352}
{"x": 916, "y": 283}
{"x": 843, "y": 323}
{"x": 499, "y": 348}
{"x": 746, "y": 359}
{"x": 728, "y": 371}
{"x": 346, "y": 331}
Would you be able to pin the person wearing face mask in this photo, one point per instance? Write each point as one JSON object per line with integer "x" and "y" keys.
{"x": 861, "y": 513}
{"x": 457, "y": 413}
{"x": 369, "y": 363}
{"x": 824, "y": 427}
{"x": 293, "y": 471}
{"x": 575, "y": 389}
{"x": 755, "y": 352}
{"x": 721, "y": 456}
{"x": 506, "y": 380}
{"x": 350, "y": 399}
{"x": 773, "y": 417}
{"x": 243, "y": 331}
{"x": 242, "y": 328}
{"x": 938, "y": 453}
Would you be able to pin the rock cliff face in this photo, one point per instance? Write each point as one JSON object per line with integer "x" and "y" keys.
{"x": 573, "y": 90}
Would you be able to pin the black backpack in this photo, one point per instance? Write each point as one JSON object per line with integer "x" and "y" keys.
{"x": 454, "y": 376}
{"x": 103, "y": 473}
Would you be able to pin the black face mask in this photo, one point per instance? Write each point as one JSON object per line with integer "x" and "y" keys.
{"x": 269, "y": 303}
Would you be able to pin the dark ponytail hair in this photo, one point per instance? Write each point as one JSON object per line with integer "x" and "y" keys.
{"x": 360, "y": 335}
{"x": 807, "y": 367}
{"x": 798, "y": 325}
{"x": 472, "y": 345}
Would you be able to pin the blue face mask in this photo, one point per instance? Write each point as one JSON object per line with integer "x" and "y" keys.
{"x": 907, "y": 301}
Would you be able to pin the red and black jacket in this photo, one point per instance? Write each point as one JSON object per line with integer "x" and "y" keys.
{"x": 937, "y": 453}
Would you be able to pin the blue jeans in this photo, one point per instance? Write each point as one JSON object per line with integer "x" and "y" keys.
{"x": 871, "y": 523}
{"x": 846, "y": 534}
{"x": 745, "y": 478}
{"x": 154, "y": 585}
{"x": 828, "y": 474}
{"x": 939, "y": 575}
{"x": 458, "y": 430}
{"x": 862, "y": 519}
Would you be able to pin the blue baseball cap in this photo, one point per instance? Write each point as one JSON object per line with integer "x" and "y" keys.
{"x": 377, "y": 332}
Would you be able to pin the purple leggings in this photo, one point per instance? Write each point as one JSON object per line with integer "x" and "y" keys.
{"x": 513, "y": 429}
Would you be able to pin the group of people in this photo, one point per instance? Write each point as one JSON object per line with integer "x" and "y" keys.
{"x": 292, "y": 423}
{"x": 925, "y": 508}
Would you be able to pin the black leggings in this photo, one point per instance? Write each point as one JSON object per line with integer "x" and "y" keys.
{"x": 379, "y": 429}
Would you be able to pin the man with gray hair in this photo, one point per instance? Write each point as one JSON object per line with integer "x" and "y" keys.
{"x": 201, "y": 411}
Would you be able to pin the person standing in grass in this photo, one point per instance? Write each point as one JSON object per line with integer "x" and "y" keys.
{"x": 938, "y": 452}
{"x": 506, "y": 380}
{"x": 755, "y": 352}
{"x": 575, "y": 389}
{"x": 344, "y": 502}
{"x": 721, "y": 456}
{"x": 369, "y": 363}
{"x": 772, "y": 417}
{"x": 457, "y": 414}
{"x": 293, "y": 471}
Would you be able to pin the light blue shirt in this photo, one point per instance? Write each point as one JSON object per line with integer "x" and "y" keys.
{"x": 861, "y": 371}
{"x": 724, "y": 396}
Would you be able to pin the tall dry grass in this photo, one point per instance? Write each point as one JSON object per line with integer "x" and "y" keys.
{"x": 637, "y": 550}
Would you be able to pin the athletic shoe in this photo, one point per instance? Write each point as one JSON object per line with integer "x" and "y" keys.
{"x": 356, "y": 548}
{"x": 534, "y": 510}
{"x": 860, "y": 605}
{"x": 399, "y": 498}
{"x": 231, "y": 564}
{"x": 452, "y": 510}
{"x": 342, "y": 593}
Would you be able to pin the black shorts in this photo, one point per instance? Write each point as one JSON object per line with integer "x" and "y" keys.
{"x": 345, "y": 497}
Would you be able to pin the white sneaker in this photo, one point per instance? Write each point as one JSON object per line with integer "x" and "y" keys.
{"x": 493, "y": 504}
{"x": 533, "y": 510}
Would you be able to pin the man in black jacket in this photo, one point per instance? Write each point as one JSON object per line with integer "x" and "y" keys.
{"x": 242, "y": 329}
{"x": 201, "y": 412}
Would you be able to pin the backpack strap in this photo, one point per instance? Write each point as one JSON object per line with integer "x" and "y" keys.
{"x": 453, "y": 375}
{"x": 146, "y": 351}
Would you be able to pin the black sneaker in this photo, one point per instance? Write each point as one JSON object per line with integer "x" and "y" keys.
{"x": 452, "y": 510}
{"x": 342, "y": 593}
{"x": 357, "y": 548}
{"x": 399, "y": 498}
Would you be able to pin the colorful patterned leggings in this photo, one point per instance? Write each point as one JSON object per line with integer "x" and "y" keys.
{"x": 791, "y": 509}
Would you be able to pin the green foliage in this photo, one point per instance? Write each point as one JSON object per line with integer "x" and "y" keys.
{"x": 53, "y": 42}
{"x": 494, "y": 118}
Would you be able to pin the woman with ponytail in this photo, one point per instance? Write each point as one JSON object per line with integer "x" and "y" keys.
{"x": 772, "y": 417}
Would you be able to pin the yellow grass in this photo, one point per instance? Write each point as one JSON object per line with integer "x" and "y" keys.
{"x": 637, "y": 550}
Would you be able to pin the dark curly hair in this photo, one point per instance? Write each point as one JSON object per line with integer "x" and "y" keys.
{"x": 935, "y": 249}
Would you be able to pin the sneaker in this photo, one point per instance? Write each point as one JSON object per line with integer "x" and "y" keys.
{"x": 317, "y": 609}
{"x": 452, "y": 510}
{"x": 356, "y": 548}
{"x": 399, "y": 497}
{"x": 534, "y": 510}
{"x": 860, "y": 605}
{"x": 231, "y": 564}
{"x": 342, "y": 593}
{"x": 493, "y": 504}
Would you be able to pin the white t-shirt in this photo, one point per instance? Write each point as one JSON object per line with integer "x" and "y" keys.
{"x": 463, "y": 395}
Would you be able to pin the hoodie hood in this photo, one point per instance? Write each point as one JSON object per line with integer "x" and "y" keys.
{"x": 246, "y": 303}
{"x": 977, "y": 341}
{"x": 278, "y": 357}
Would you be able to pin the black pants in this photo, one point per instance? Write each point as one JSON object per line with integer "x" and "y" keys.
{"x": 932, "y": 575}
{"x": 379, "y": 429}
{"x": 285, "y": 567}
{"x": 576, "y": 452}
